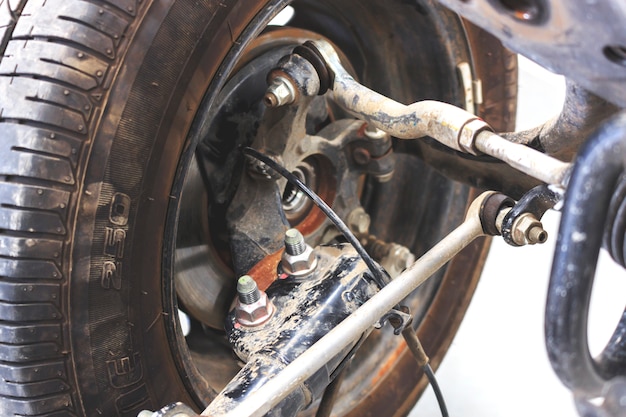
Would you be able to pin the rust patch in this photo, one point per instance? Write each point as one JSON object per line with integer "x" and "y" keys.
{"x": 388, "y": 366}
{"x": 264, "y": 272}
{"x": 361, "y": 132}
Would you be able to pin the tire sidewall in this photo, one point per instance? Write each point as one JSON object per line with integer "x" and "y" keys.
{"x": 122, "y": 305}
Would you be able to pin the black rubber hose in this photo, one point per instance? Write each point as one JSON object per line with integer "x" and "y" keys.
{"x": 598, "y": 167}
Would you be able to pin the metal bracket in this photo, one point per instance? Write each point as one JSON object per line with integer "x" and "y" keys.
{"x": 521, "y": 225}
{"x": 472, "y": 89}
{"x": 399, "y": 319}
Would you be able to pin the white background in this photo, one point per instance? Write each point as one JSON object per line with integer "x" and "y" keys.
{"x": 497, "y": 365}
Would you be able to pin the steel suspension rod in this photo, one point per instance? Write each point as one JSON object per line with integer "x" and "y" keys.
{"x": 349, "y": 330}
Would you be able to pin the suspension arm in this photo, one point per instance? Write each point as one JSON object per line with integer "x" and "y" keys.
{"x": 446, "y": 123}
{"x": 363, "y": 319}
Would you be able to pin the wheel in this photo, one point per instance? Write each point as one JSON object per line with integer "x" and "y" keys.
{"x": 108, "y": 211}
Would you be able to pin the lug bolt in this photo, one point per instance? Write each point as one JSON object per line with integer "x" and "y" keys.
{"x": 280, "y": 92}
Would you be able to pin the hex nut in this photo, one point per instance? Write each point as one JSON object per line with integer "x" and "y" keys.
{"x": 254, "y": 314}
{"x": 397, "y": 260}
{"x": 402, "y": 256}
{"x": 300, "y": 265}
{"x": 359, "y": 221}
{"x": 527, "y": 230}
{"x": 281, "y": 91}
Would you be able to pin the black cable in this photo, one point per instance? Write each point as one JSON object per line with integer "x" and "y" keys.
{"x": 332, "y": 390}
{"x": 433, "y": 383}
{"x": 416, "y": 348}
{"x": 380, "y": 276}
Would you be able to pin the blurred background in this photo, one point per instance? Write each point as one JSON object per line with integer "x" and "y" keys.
{"x": 497, "y": 364}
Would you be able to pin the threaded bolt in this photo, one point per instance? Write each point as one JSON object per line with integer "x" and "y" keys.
{"x": 280, "y": 92}
{"x": 537, "y": 235}
{"x": 294, "y": 242}
{"x": 247, "y": 290}
{"x": 359, "y": 221}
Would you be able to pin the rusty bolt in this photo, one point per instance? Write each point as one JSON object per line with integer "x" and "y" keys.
{"x": 299, "y": 259}
{"x": 361, "y": 156}
{"x": 253, "y": 307}
{"x": 359, "y": 221}
{"x": 260, "y": 170}
{"x": 280, "y": 92}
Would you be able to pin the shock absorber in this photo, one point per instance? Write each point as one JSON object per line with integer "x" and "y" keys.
{"x": 594, "y": 202}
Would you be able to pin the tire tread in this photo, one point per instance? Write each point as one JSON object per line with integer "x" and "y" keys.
{"x": 56, "y": 57}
